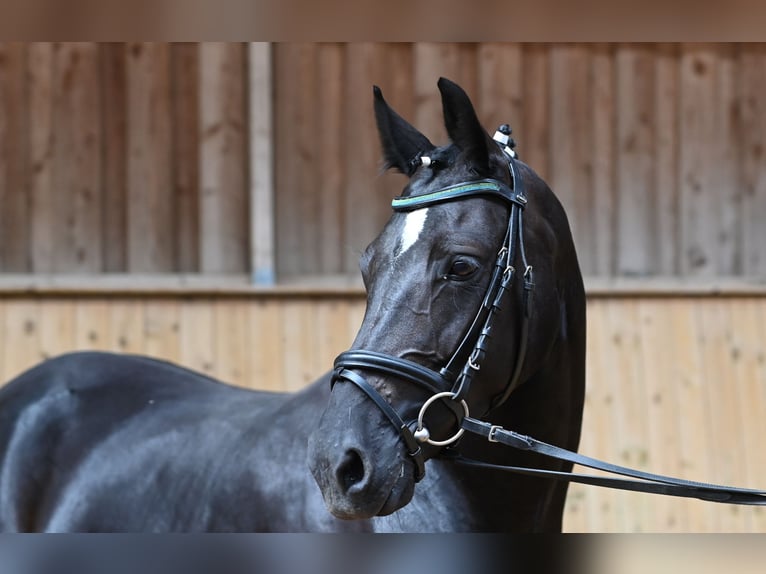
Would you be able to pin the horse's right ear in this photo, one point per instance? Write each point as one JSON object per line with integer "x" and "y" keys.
{"x": 400, "y": 141}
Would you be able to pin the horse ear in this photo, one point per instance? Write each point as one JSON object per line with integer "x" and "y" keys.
{"x": 400, "y": 141}
{"x": 463, "y": 126}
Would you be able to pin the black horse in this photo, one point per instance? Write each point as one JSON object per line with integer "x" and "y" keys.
{"x": 102, "y": 442}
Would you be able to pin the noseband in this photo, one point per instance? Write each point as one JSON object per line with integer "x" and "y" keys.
{"x": 458, "y": 374}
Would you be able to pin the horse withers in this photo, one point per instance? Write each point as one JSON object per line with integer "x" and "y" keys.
{"x": 106, "y": 442}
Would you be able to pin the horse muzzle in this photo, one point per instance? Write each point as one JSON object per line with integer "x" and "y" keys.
{"x": 358, "y": 461}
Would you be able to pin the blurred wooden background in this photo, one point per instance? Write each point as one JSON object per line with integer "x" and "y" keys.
{"x": 134, "y": 173}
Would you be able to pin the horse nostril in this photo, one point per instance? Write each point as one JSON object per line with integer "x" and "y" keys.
{"x": 351, "y": 470}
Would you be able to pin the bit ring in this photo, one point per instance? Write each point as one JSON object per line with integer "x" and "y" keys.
{"x": 423, "y": 432}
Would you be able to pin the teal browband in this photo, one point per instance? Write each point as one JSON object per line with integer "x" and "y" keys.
{"x": 486, "y": 187}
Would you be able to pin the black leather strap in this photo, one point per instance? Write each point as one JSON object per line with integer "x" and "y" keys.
{"x": 649, "y": 482}
{"x": 394, "y": 366}
{"x": 456, "y": 363}
{"x": 484, "y": 187}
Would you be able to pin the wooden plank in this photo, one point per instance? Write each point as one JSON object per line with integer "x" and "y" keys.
{"x": 581, "y": 500}
{"x": 45, "y": 214}
{"x": 307, "y": 204}
{"x": 295, "y": 149}
{"x": 22, "y": 338}
{"x": 698, "y": 215}
{"x": 534, "y": 147}
{"x": 602, "y": 219}
{"x": 662, "y": 409}
{"x": 666, "y": 144}
{"x": 92, "y": 329}
{"x": 331, "y": 158}
{"x": 266, "y": 346}
{"x": 14, "y": 208}
{"x": 636, "y": 201}
{"x": 757, "y": 312}
{"x": 261, "y": 140}
{"x": 231, "y": 342}
{"x": 223, "y": 205}
{"x": 727, "y": 417}
{"x": 161, "y": 333}
{"x": 296, "y": 333}
{"x": 196, "y": 328}
{"x": 727, "y": 175}
{"x": 584, "y": 505}
{"x": 571, "y": 169}
{"x": 630, "y": 414}
{"x": 722, "y": 419}
{"x": 185, "y": 95}
{"x": 500, "y": 86}
{"x": 113, "y": 78}
{"x": 126, "y": 326}
{"x": 598, "y": 429}
{"x": 151, "y": 225}
{"x": 694, "y": 430}
{"x": 77, "y": 157}
{"x": 57, "y": 327}
{"x": 753, "y": 152}
{"x": 181, "y": 285}
{"x": 742, "y": 350}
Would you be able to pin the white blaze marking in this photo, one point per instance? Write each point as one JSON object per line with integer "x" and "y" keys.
{"x": 413, "y": 226}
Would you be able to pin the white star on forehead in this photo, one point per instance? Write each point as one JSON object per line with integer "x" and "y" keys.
{"x": 413, "y": 227}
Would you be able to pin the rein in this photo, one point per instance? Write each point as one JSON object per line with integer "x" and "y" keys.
{"x": 465, "y": 362}
{"x": 647, "y": 482}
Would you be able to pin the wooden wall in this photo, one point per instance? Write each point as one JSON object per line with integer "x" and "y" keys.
{"x": 271, "y": 343}
{"x": 133, "y": 157}
{"x": 675, "y": 385}
{"x": 123, "y": 157}
{"x": 655, "y": 150}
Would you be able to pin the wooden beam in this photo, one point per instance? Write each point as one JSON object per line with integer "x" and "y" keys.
{"x": 197, "y": 284}
{"x": 223, "y": 200}
{"x": 262, "y": 254}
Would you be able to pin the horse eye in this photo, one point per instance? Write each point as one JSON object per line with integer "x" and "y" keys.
{"x": 462, "y": 269}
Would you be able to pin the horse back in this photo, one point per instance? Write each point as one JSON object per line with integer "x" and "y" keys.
{"x": 56, "y": 414}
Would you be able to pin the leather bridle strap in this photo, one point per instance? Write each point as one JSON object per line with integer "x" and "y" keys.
{"x": 413, "y": 448}
{"x": 412, "y": 372}
{"x": 648, "y": 482}
{"x": 482, "y": 187}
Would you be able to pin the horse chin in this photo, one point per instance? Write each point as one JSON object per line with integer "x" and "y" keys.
{"x": 398, "y": 497}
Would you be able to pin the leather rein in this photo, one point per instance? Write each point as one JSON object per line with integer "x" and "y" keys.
{"x": 458, "y": 373}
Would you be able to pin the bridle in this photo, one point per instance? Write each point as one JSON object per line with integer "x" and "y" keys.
{"x": 466, "y": 361}
{"x": 460, "y": 370}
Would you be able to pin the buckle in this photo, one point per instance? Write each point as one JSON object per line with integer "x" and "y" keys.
{"x": 492, "y": 430}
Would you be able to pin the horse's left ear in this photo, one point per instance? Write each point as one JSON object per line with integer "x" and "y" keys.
{"x": 400, "y": 141}
{"x": 463, "y": 126}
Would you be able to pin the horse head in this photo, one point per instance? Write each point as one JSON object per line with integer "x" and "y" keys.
{"x": 445, "y": 323}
